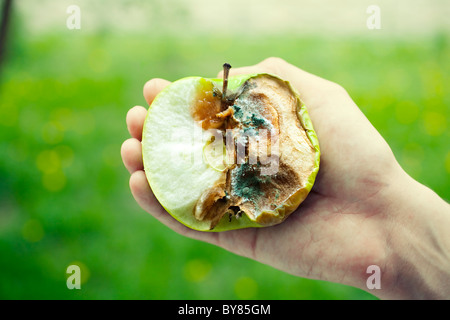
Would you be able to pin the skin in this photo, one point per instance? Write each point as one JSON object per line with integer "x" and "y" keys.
{"x": 363, "y": 209}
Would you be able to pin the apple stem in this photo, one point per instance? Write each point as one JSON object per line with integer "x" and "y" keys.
{"x": 226, "y": 70}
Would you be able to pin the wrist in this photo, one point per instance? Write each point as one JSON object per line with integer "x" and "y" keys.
{"x": 417, "y": 242}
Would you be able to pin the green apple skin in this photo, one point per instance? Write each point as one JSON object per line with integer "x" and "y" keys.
{"x": 169, "y": 186}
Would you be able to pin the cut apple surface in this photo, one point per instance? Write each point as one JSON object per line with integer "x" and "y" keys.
{"x": 246, "y": 159}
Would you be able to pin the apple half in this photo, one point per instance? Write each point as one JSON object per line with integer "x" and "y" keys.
{"x": 223, "y": 154}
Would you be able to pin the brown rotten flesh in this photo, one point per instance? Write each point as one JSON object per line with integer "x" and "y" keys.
{"x": 268, "y": 179}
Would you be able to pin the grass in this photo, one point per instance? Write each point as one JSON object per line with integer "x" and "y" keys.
{"x": 64, "y": 196}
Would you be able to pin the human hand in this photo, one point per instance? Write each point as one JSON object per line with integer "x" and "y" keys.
{"x": 346, "y": 223}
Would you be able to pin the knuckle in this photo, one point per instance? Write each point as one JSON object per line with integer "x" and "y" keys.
{"x": 273, "y": 65}
{"x": 272, "y": 61}
{"x": 336, "y": 89}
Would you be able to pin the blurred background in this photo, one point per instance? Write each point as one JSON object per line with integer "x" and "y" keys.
{"x": 64, "y": 94}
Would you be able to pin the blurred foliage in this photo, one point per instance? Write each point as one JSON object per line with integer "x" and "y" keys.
{"x": 64, "y": 196}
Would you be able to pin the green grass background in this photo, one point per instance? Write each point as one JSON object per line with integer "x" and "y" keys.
{"x": 64, "y": 196}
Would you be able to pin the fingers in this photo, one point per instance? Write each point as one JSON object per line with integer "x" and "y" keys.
{"x": 135, "y": 121}
{"x": 146, "y": 199}
{"x": 153, "y": 87}
{"x": 143, "y": 194}
{"x": 136, "y": 115}
{"x": 131, "y": 152}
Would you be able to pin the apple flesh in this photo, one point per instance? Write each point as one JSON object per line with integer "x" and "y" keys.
{"x": 216, "y": 163}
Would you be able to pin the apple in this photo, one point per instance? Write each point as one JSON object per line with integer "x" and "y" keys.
{"x": 231, "y": 153}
